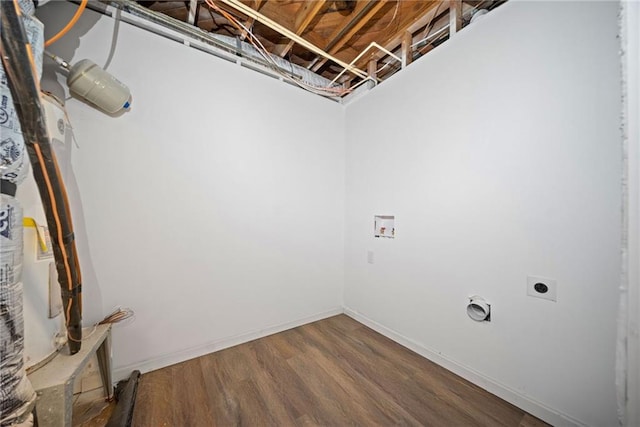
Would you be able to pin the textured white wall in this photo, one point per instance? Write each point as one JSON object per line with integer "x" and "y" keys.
{"x": 500, "y": 155}
{"x": 631, "y": 46}
{"x": 215, "y": 207}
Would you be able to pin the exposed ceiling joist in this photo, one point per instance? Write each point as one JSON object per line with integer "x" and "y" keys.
{"x": 393, "y": 38}
{"x": 342, "y": 35}
{"x": 329, "y": 36}
{"x": 287, "y": 33}
{"x": 309, "y": 10}
{"x": 193, "y": 12}
{"x": 433, "y": 18}
{"x": 455, "y": 16}
{"x": 407, "y": 56}
{"x": 249, "y": 22}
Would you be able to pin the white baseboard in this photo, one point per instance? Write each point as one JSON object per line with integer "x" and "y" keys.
{"x": 123, "y": 372}
{"x": 523, "y": 402}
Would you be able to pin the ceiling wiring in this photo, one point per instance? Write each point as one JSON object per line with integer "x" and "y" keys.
{"x": 395, "y": 13}
{"x": 329, "y": 91}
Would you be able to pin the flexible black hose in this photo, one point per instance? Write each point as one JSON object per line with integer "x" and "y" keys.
{"x": 23, "y": 82}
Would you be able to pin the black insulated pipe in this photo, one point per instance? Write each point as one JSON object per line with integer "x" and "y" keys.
{"x": 23, "y": 82}
{"x": 126, "y": 391}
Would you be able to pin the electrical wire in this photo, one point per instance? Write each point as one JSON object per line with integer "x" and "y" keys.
{"x": 253, "y": 40}
{"x": 386, "y": 64}
{"x": 69, "y": 25}
{"x": 395, "y": 12}
{"x": 119, "y": 315}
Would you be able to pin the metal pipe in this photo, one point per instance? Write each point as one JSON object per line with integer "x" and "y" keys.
{"x": 196, "y": 33}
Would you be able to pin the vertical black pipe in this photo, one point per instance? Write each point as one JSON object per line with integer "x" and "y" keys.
{"x": 23, "y": 82}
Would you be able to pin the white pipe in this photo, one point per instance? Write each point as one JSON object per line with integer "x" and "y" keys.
{"x": 213, "y": 44}
{"x": 372, "y": 44}
{"x": 369, "y": 78}
{"x": 236, "y": 4}
{"x": 430, "y": 35}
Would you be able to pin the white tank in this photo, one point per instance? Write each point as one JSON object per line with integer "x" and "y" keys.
{"x": 92, "y": 83}
{"x": 43, "y": 327}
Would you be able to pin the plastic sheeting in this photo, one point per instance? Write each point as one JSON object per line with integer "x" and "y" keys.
{"x": 17, "y": 397}
{"x": 16, "y": 394}
{"x": 14, "y": 161}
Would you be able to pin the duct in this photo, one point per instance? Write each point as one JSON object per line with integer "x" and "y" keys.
{"x": 230, "y": 45}
{"x": 247, "y": 50}
{"x": 17, "y": 397}
{"x": 14, "y": 162}
{"x": 133, "y": 8}
{"x": 16, "y": 394}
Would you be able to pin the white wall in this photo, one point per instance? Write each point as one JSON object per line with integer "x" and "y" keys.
{"x": 500, "y": 155}
{"x": 214, "y": 208}
{"x": 40, "y": 331}
{"x": 631, "y": 47}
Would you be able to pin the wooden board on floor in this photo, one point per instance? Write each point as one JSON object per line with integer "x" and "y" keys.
{"x": 332, "y": 372}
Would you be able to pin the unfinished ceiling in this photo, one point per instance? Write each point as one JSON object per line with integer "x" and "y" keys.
{"x": 345, "y": 42}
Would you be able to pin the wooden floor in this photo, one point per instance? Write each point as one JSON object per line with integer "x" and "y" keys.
{"x": 334, "y": 372}
{"x": 90, "y": 409}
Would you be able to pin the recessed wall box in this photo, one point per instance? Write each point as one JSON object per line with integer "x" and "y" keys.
{"x": 384, "y": 226}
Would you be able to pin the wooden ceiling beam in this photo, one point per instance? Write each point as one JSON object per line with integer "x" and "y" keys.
{"x": 343, "y": 34}
{"x": 434, "y": 18}
{"x": 304, "y": 16}
{"x": 194, "y": 8}
{"x": 249, "y": 22}
{"x": 431, "y": 44}
{"x": 418, "y": 20}
{"x": 455, "y": 16}
{"x": 407, "y": 53}
{"x": 283, "y": 31}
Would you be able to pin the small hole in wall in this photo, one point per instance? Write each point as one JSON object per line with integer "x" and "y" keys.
{"x": 384, "y": 226}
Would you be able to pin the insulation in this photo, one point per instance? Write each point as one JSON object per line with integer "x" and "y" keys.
{"x": 16, "y": 394}
{"x": 14, "y": 161}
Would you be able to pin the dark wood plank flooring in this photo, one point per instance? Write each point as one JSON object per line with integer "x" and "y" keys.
{"x": 334, "y": 372}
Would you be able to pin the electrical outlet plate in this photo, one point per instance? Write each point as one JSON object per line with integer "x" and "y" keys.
{"x": 370, "y": 257}
{"x": 542, "y": 287}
